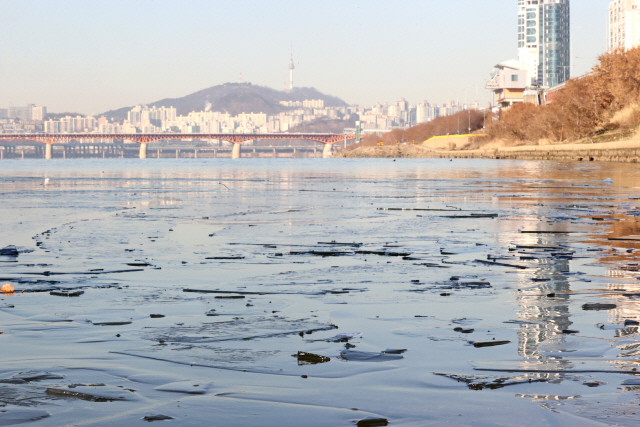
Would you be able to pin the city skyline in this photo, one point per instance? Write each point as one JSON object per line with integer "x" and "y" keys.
{"x": 80, "y": 58}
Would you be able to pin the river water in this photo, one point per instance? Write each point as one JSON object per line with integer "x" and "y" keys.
{"x": 315, "y": 292}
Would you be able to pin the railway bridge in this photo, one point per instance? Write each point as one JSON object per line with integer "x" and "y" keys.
{"x": 145, "y": 138}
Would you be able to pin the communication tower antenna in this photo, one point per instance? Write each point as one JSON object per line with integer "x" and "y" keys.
{"x": 291, "y": 68}
{"x": 240, "y": 79}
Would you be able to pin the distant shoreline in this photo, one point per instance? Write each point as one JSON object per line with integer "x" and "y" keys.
{"x": 627, "y": 151}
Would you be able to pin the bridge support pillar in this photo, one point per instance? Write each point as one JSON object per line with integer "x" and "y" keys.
{"x": 48, "y": 153}
{"x": 143, "y": 151}
{"x": 195, "y": 153}
{"x": 275, "y": 153}
{"x": 235, "y": 153}
{"x": 326, "y": 152}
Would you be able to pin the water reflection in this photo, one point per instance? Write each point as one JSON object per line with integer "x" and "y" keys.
{"x": 519, "y": 272}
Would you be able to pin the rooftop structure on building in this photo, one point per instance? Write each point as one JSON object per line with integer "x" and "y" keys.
{"x": 508, "y": 83}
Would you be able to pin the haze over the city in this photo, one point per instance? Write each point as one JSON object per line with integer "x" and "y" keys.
{"x": 91, "y": 57}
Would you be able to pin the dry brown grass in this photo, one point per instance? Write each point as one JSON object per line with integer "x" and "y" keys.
{"x": 628, "y": 117}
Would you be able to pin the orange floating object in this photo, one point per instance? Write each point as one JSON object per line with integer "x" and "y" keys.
{"x": 6, "y": 288}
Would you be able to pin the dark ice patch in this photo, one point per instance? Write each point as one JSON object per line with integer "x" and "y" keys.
{"x": 367, "y": 356}
{"x": 92, "y": 394}
{"x": 305, "y": 358}
{"x": 482, "y": 382}
{"x": 157, "y": 417}
{"x": 598, "y": 306}
{"x": 186, "y": 387}
{"x": 492, "y": 343}
{"x": 372, "y": 422}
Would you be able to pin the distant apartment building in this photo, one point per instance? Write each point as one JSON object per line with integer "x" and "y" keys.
{"x": 544, "y": 41}
{"x": 135, "y": 115}
{"x": 109, "y": 128}
{"x": 70, "y": 124}
{"x": 149, "y": 119}
{"x": 158, "y": 115}
{"x": 401, "y": 115}
{"x": 307, "y": 103}
{"x": 291, "y": 104}
{"x": 52, "y": 126}
{"x": 22, "y": 113}
{"x": 624, "y": 24}
{"x": 38, "y": 113}
{"x": 424, "y": 112}
{"x": 28, "y": 112}
{"x": 313, "y": 103}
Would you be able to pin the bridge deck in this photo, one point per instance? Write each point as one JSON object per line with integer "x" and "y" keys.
{"x": 145, "y": 138}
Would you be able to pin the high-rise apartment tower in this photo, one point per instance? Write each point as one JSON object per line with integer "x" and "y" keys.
{"x": 544, "y": 41}
{"x": 624, "y": 24}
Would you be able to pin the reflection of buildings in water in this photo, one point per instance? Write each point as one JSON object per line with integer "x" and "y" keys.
{"x": 628, "y": 305}
{"x": 618, "y": 273}
{"x": 548, "y": 316}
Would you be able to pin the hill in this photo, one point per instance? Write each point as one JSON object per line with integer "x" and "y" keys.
{"x": 235, "y": 98}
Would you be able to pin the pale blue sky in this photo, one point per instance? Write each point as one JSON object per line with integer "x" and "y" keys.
{"x": 94, "y": 55}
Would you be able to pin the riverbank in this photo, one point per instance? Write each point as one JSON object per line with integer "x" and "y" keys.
{"x": 627, "y": 151}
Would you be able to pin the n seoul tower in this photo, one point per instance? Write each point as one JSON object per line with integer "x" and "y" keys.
{"x": 291, "y": 67}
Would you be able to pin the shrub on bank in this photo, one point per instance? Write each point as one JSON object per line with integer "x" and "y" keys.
{"x": 418, "y": 134}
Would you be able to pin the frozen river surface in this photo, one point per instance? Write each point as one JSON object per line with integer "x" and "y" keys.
{"x": 319, "y": 293}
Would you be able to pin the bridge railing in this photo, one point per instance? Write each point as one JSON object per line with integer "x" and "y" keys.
{"x": 145, "y": 138}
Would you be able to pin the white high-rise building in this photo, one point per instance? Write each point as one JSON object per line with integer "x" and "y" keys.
{"x": 624, "y": 24}
{"x": 544, "y": 41}
{"x": 423, "y": 112}
{"x": 135, "y": 115}
{"x": 38, "y": 113}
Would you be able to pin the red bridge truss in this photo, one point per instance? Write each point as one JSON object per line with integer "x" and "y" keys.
{"x": 145, "y": 138}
